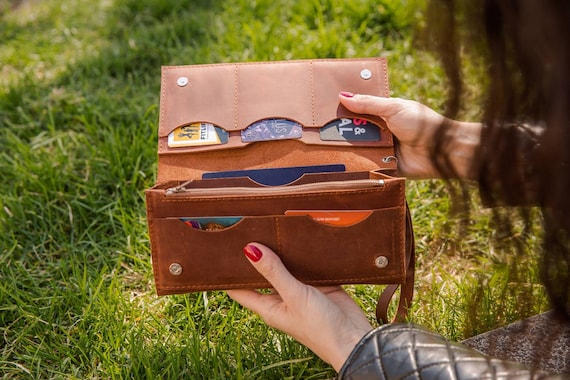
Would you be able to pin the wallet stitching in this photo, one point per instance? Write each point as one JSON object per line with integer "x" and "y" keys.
{"x": 402, "y": 223}
{"x": 163, "y": 99}
{"x": 314, "y": 111}
{"x": 154, "y": 246}
{"x": 278, "y": 234}
{"x": 384, "y": 64}
{"x": 233, "y": 285}
{"x": 236, "y": 93}
{"x": 377, "y": 59}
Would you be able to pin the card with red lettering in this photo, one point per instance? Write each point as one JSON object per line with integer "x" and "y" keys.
{"x": 350, "y": 130}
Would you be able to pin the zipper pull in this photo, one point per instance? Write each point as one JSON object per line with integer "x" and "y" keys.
{"x": 178, "y": 189}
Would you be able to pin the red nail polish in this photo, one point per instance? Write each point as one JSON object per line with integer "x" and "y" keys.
{"x": 252, "y": 252}
{"x": 347, "y": 94}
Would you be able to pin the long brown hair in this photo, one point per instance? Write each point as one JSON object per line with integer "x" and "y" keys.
{"x": 524, "y": 49}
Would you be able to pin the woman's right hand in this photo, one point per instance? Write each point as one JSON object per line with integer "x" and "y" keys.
{"x": 415, "y": 125}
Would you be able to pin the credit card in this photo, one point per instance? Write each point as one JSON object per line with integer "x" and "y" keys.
{"x": 272, "y": 129}
{"x": 350, "y": 130}
{"x": 276, "y": 176}
{"x": 338, "y": 218}
{"x": 197, "y": 134}
{"x": 211, "y": 223}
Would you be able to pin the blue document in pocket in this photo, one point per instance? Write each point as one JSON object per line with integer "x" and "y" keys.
{"x": 276, "y": 176}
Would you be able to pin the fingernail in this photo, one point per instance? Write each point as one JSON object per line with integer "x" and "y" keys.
{"x": 347, "y": 94}
{"x": 252, "y": 252}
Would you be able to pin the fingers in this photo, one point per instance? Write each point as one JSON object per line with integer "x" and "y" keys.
{"x": 269, "y": 265}
{"x": 371, "y": 105}
{"x": 251, "y": 299}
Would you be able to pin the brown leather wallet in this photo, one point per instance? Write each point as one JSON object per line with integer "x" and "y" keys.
{"x": 225, "y": 101}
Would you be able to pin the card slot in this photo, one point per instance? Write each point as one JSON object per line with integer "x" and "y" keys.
{"x": 281, "y": 153}
{"x": 248, "y": 182}
{"x": 261, "y": 223}
{"x": 362, "y": 252}
{"x": 345, "y": 123}
{"x": 310, "y": 138}
{"x": 276, "y": 176}
{"x": 308, "y": 223}
{"x": 337, "y": 132}
{"x": 211, "y": 224}
{"x": 236, "y": 94}
{"x": 332, "y": 218}
{"x": 185, "y": 258}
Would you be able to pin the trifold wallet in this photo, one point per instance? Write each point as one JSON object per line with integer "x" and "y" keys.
{"x": 264, "y": 152}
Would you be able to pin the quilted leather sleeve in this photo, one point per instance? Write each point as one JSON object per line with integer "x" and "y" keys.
{"x": 406, "y": 351}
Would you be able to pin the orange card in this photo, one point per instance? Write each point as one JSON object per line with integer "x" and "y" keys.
{"x": 339, "y": 218}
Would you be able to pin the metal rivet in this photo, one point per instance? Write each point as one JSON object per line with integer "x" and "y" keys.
{"x": 182, "y": 81}
{"x": 381, "y": 262}
{"x": 175, "y": 269}
{"x": 366, "y": 74}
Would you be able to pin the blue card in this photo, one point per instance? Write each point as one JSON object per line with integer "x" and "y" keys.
{"x": 276, "y": 176}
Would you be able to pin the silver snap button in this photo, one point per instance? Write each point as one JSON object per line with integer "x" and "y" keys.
{"x": 381, "y": 262}
{"x": 175, "y": 269}
{"x": 182, "y": 81}
{"x": 366, "y": 74}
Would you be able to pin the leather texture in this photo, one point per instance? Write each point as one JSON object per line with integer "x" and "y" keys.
{"x": 232, "y": 96}
{"x": 407, "y": 351}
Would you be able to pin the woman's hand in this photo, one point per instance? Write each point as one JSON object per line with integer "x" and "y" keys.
{"x": 415, "y": 125}
{"x": 325, "y": 319}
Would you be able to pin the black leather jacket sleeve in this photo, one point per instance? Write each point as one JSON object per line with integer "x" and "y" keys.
{"x": 406, "y": 351}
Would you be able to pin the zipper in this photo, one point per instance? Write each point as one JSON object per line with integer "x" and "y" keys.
{"x": 356, "y": 184}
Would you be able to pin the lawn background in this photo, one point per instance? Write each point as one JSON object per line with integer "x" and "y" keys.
{"x": 79, "y": 85}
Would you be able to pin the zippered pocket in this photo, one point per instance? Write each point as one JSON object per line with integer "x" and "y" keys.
{"x": 308, "y": 188}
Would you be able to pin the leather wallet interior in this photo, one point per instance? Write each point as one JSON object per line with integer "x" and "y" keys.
{"x": 241, "y": 106}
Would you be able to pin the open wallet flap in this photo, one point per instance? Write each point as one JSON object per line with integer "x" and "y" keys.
{"x": 234, "y": 103}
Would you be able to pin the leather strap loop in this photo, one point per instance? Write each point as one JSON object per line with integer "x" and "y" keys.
{"x": 407, "y": 288}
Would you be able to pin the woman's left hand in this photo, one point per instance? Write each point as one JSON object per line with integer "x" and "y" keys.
{"x": 324, "y": 319}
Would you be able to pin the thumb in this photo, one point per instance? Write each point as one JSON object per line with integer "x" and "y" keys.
{"x": 270, "y": 266}
{"x": 370, "y": 104}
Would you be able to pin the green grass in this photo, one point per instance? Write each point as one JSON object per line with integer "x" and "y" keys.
{"x": 79, "y": 85}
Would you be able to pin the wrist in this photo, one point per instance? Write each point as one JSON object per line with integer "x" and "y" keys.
{"x": 462, "y": 150}
{"x": 346, "y": 347}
